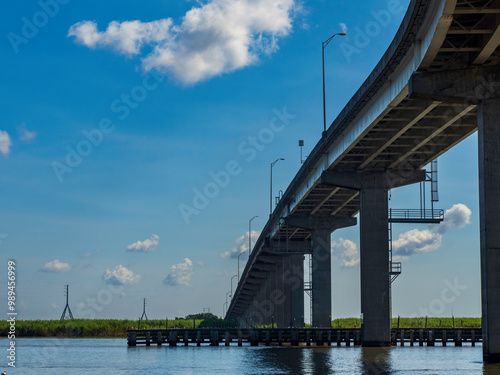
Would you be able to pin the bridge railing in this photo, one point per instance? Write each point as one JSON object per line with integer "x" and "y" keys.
{"x": 397, "y": 215}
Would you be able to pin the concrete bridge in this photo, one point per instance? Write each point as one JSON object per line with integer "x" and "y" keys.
{"x": 437, "y": 83}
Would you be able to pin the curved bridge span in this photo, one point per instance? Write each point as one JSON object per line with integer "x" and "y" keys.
{"x": 437, "y": 83}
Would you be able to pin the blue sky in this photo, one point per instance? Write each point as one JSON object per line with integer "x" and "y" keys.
{"x": 107, "y": 133}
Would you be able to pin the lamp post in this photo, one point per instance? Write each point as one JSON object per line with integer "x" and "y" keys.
{"x": 240, "y": 254}
{"x": 227, "y": 304}
{"x": 232, "y": 283}
{"x": 271, "y": 190}
{"x": 250, "y": 236}
{"x": 323, "y": 45}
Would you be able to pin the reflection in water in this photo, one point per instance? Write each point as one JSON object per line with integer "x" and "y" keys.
{"x": 375, "y": 361}
{"x": 491, "y": 369}
{"x": 314, "y": 361}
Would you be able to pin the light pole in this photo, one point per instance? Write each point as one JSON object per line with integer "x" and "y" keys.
{"x": 250, "y": 236}
{"x": 240, "y": 254}
{"x": 227, "y": 304}
{"x": 271, "y": 190}
{"x": 232, "y": 283}
{"x": 323, "y": 45}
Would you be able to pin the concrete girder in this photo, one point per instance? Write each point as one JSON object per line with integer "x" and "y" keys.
{"x": 457, "y": 86}
{"x": 321, "y": 223}
{"x": 257, "y": 274}
{"x": 358, "y": 180}
{"x": 263, "y": 267}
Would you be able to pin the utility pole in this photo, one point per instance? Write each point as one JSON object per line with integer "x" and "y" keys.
{"x": 66, "y": 308}
{"x": 144, "y": 310}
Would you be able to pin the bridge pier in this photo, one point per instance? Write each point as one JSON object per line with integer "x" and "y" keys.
{"x": 489, "y": 207}
{"x": 296, "y": 283}
{"x": 374, "y": 245}
{"x": 321, "y": 229}
{"x": 374, "y": 268}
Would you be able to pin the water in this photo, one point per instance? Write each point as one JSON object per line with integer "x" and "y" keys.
{"x": 111, "y": 356}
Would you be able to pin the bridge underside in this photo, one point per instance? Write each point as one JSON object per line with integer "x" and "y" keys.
{"x": 425, "y": 112}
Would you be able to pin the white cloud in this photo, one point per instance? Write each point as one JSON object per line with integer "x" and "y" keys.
{"x": 218, "y": 37}
{"x": 346, "y": 252}
{"x": 180, "y": 274}
{"x": 54, "y": 305}
{"x": 240, "y": 245}
{"x": 416, "y": 241}
{"x": 146, "y": 245}
{"x": 5, "y": 143}
{"x": 56, "y": 266}
{"x": 457, "y": 216}
{"x": 423, "y": 241}
{"x": 24, "y": 134}
{"x": 120, "y": 276}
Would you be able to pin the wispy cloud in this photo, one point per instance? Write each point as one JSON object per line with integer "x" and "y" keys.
{"x": 146, "y": 245}
{"x": 120, "y": 276}
{"x": 218, "y": 37}
{"x": 5, "y": 143}
{"x": 180, "y": 274}
{"x": 343, "y": 27}
{"x": 26, "y": 135}
{"x": 346, "y": 252}
{"x": 56, "y": 266}
{"x": 240, "y": 245}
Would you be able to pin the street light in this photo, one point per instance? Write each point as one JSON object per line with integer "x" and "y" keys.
{"x": 323, "y": 45}
{"x": 250, "y": 236}
{"x": 271, "y": 193}
{"x": 240, "y": 254}
{"x": 227, "y": 304}
{"x": 232, "y": 283}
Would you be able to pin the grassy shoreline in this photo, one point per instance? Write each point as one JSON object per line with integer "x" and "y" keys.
{"x": 117, "y": 328}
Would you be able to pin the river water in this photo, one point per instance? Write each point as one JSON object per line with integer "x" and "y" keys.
{"x": 112, "y": 356}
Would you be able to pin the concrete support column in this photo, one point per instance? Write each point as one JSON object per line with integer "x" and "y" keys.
{"x": 297, "y": 290}
{"x": 321, "y": 278}
{"x": 489, "y": 206}
{"x": 274, "y": 299}
{"x": 287, "y": 291}
{"x": 280, "y": 300}
{"x": 374, "y": 264}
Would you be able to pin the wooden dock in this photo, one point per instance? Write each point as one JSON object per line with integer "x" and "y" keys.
{"x": 297, "y": 336}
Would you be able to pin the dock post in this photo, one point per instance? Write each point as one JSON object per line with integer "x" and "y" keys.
{"x": 198, "y": 338}
{"x": 319, "y": 338}
{"x": 445, "y": 339}
{"x": 347, "y": 338}
{"x": 240, "y": 338}
{"x": 329, "y": 338}
{"x": 411, "y": 337}
{"x": 339, "y": 338}
{"x": 402, "y": 337}
{"x": 268, "y": 338}
{"x": 430, "y": 337}
{"x": 214, "y": 338}
{"x": 159, "y": 339}
{"x": 308, "y": 338}
{"x": 294, "y": 338}
{"x": 254, "y": 338}
{"x": 172, "y": 338}
{"x": 420, "y": 337}
{"x": 186, "y": 338}
{"x": 280, "y": 338}
{"x": 227, "y": 339}
{"x": 357, "y": 338}
{"x": 473, "y": 337}
{"x": 458, "y": 340}
{"x": 132, "y": 338}
{"x": 148, "y": 338}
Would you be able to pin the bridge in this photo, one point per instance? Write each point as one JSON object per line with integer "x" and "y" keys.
{"x": 437, "y": 83}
